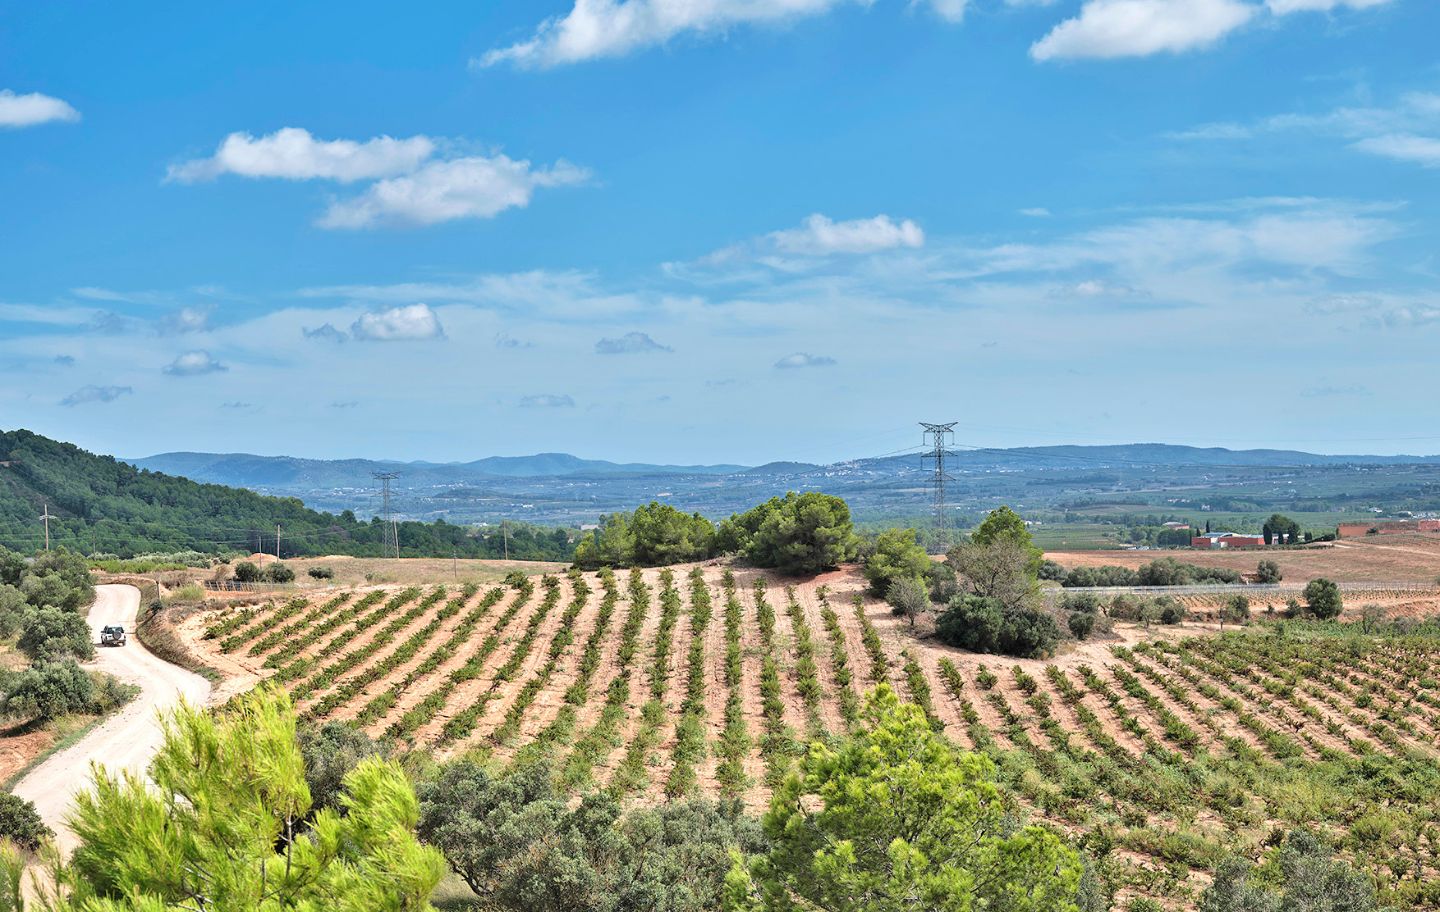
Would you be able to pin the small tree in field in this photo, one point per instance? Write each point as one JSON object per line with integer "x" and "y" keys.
{"x": 897, "y": 554}
{"x": 1268, "y": 572}
{"x": 246, "y": 572}
{"x": 908, "y": 598}
{"x": 1323, "y": 599}
{"x": 1236, "y": 610}
{"x": 898, "y": 818}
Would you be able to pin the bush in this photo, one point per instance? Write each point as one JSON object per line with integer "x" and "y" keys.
{"x": 1089, "y": 577}
{"x": 986, "y": 625}
{"x": 279, "y": 573}
{"x": 1268, "y": 572}
{"x": 1236, "y": 610}
{"x": 21, "y": 824}
{"x": 1323, "y": 599}
{"x": 48, "y": 634}
{"x": 49, "y": 690}
{"x": 331, "y": 752}
{"x": 1083, "y": 602}
{"x": 1082, "y": 624}
{"x": 246, "y": 572}
{"x": 907, "y": 598}
{"x": 1050, "y": 570}
{"x": 943, "y": 581}
{"x": 897, "y": 554}
{"x": 1169, "y": 610}
{"x": 321, "y": 573}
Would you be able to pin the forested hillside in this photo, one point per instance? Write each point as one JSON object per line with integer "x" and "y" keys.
{"x": 101, "y": 505}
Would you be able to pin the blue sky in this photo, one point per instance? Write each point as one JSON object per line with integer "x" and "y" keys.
{"x": 719, "y": 230}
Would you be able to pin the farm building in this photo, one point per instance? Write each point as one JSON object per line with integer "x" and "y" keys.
{"x": 1387, "y": 527}
{"x": 1214, "y": 541}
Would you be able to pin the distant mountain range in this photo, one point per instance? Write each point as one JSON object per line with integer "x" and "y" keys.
{"x": 558, "y": 488}
{"x": 248, "y": 470}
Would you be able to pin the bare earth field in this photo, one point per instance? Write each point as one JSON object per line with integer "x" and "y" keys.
{"x": 1389, "y": 559}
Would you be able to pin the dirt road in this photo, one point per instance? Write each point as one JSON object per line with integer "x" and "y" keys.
{"x": 126, "y": 740}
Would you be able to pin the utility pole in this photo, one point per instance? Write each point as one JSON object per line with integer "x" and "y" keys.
{"x": 392, "y": 529}
{"x": 505, "y": 530}
{"x": 277, "y": 543}
{"x": 46, "y": 518}
{"x": 937, "y": 437}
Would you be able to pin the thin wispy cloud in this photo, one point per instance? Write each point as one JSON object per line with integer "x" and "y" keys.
{"x": 632, "y": 343}
{"x": 800, "y": 360}
{"x": 547, "y": 401}
{"x": 93, "y": 394}
{"x": 33, "y": 109}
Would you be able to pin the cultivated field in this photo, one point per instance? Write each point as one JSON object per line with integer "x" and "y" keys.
{"x": 1168, "y": 750}
{"x": 1405, "y": 559}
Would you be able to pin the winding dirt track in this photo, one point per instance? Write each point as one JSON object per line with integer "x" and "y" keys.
{"x": 128, "y": 739}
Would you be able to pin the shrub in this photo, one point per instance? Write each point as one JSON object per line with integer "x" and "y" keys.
{"x": 897, "y": 554}
{"x": 332, "y": 752}
{"x": 246, "y": 572}
{"x": 21, "y": 824}
{"x": 986, "y": 625}
{"x": 1236, "y": 610}
{"x": 1082, "y": 624}
{"x": 1323, "y": 599}
{"x": 1169, "y": 610}
{"x": 907, "y": 598}
{"x": 943, "y": 581}
{"x": 279, "y": 573}
{"x": 321, "y": 573}
{"x": 48, "y": 634}
{"x": 1083, "y": 602}
{"x": 48, "y": 690}
{"x": 1268, "y": 572}
{"x": 1050, "y": 570}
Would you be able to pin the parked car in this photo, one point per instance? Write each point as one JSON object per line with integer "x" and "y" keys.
{"x": 112, "y": 636}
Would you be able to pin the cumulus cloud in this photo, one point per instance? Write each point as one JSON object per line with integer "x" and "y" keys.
{"x": 293, "y": 154}
{"x": 632, "y": 343}
{"x": 820, "y": 236}
{"x": 612, "y": 28}
{"x": 546, "y": 400}
{"x": 415, "y": 322}
{"x": 31, "y": 110}
{"x": 194, "y": 364}
{"x": 88, "y": 394}
{"x": 474, "y": 187}
{"x": 1139, "y": 28}
{"x": 804, "y": 359}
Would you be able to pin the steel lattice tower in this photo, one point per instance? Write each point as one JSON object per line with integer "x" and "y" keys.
{"x": 937, "y": 439}
{"x": 387, "y": 517}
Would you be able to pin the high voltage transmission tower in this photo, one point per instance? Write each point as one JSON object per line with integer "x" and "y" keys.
{"x": 387, "y": 518}
{"x": 937, "y": 438}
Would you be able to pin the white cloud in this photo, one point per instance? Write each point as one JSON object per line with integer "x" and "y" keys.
{"x": 547, "y": 400}
{"x": 187, "y": 320}
{"x": 1139, "y": 28}
{"x": 612, "y": 28}
{"x": 1282, "y": 7}
{"x": 950, "y": 10}
{"x": 293, "y": 154}
{"x": 632, "y": 343}
{"x": 1036, "y": 212}
{"x": 804, "y": 359}
{"x": 194, "y": 364}
{"x": 1421, "y": 150}
{"x": 474, "y": 187}
{"x": 415, "y": 322}
{"x": 33, "y": 109}
{"x": 88, "y": 394}
{"x": 820, "y": 236}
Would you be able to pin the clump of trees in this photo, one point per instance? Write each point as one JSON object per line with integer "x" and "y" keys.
{"x": 1323, "y": 600}
{"x": 998, "y": 608}
{"x": 522, "y": 846}
{"x": 40, "y": 604}
{"x": 1281, "y": 530}
{"x": 897, "y": 817}
{"x": 652, "y": 536}
{"x": 798, "y": 534}
{"x": 1165, "y": 571}
{"x": 1268, "y": 572}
